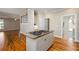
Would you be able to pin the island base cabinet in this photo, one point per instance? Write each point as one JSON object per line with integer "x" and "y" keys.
{"x": 45, "y": 42}
{"x": 40, "y": 44}
{"x": 31, "y": 44}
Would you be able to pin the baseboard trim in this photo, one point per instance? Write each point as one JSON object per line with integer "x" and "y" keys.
{"x": 58, "y": 36}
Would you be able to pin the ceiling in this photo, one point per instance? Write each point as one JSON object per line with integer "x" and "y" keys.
{"x": 17, "y": 12}
{"x": 50, "y": 10}
{"x": 11, "y": 12}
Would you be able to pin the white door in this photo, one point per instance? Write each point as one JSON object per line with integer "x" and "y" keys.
{"x": 68, "y": 27}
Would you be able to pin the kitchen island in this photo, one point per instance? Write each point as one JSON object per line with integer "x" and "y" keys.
{"x": 39, "y": 41}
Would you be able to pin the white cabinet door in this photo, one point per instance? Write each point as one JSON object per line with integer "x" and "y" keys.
{"x": 49, "y": 40}
{"x": 41, "y": 44}
{"x": 31, "y": 44}
{"x": 45, "y": 42}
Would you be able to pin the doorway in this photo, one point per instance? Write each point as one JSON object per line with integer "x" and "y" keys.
{"x": 68, "y": 27}
{"x": 47, "y": 24}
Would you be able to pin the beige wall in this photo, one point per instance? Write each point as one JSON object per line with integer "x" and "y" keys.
{"x": 10, "y": 24}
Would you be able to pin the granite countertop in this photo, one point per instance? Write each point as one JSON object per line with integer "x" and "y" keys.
{"x": 29, "y": 35}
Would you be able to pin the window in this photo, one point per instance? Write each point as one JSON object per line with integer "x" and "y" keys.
{"x": 1, "y": 24}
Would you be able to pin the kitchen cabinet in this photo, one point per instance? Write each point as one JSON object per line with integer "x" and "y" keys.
{"x": 39, "y": 44}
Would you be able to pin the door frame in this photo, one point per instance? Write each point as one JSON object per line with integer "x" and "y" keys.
{"x": 75, "y": 19}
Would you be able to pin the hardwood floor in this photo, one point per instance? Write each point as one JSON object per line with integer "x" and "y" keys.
{"x": 64, "y": 45}
{"x": 12, "y": 41}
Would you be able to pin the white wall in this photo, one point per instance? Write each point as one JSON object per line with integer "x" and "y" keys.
{"x": 41, "y": 21}
{"x": 31, "y": 19}
{"x": 28, "y": 27}
{"x": 77, "y": 28}
{"x": 55, "y": 24}
{"x": 56, "y": 20}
